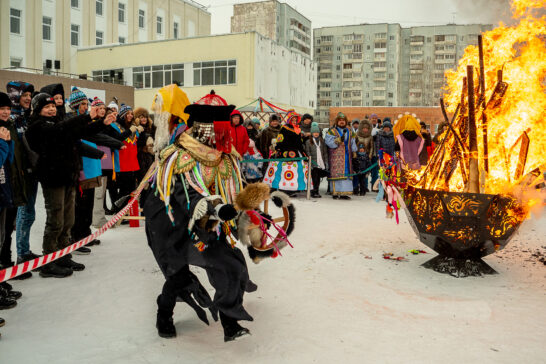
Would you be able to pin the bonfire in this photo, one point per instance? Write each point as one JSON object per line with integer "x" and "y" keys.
{"x": 484, "y": 179}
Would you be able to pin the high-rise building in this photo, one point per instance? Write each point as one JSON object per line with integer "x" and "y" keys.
{"x": 427, "y": 52}
{"x": 277, "y": 21}
{"x": 385, "y": 64}
{"x": 46, "y": 34}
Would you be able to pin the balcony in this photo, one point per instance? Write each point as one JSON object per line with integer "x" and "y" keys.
{"x": 379, "y": 98}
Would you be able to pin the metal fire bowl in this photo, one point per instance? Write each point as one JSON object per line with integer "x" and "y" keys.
{"x": 462, "y": 227}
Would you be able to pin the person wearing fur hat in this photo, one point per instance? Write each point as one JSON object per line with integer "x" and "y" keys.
{"x": 315, "y": 147}
{"x": 342, "y": 147}
{"x": 8, "y": 297}
{"x": 58, "y": 167}
{"x": 187, "y": 234}
{"x": 125, "y": 130}
{"x": 252, "y": 129}
{"x": 364, "y": 138}
{"x": 24, "y": 183}
{"x": 288, "y": 176}
{"x": 145, "y": 143}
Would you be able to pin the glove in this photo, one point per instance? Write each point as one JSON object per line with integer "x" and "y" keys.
{"x": 140, "y": 128}
{"x": 226, "y": 212}
{"x": 133, "y": 128}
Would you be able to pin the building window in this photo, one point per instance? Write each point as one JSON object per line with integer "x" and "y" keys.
{"x": 111, "y": 76}
{"x": 75, "y": 4}
{"x": 15, "y": 21}
{"x": 141, "y": 19}
{"x": 121, "y": 12}
{"x": 99, "y": 37}
{"x": 46, "y": 28}
{"x": 158, "y": 76}
{"x": 121, "y": 40}
{"x": 214, "y": 73}
{"x": 175, "y": 30}
{"x": 159, "y": 25}
{"x": 98, "y": 7}
{"x": 15, "y": 62}
{"x": 74, "y": 35}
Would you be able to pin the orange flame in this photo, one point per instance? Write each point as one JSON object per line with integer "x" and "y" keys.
{"x": 517, "y": 118}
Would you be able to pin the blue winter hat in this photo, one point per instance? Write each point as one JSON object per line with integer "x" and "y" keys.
{"x": 314, "y": 127}
{"x": 124, "y": 110}
{"x": 76, "y": 98}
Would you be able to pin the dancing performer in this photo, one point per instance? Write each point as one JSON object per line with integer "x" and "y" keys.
{"x": 189, "y": 218}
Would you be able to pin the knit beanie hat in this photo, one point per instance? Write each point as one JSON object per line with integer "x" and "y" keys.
{"x": 124, "y": 110}
{"x": 76, "y": 98}
{"x": 4, "y": 100}
{"x": 40, "y": 101}
{"x": 96, "y": 102}
{"x": 113, "y": 105}
{"x": 387, "y": 124}
{"x": 314, "y": 127}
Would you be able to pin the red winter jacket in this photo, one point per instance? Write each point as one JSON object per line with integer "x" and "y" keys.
{"x": 239, "y": 136}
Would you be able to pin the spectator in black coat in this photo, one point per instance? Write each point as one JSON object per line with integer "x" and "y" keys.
{"x": 56, "y": 143}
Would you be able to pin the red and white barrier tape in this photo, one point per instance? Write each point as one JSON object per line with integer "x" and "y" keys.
{"x": 17, "y": 270}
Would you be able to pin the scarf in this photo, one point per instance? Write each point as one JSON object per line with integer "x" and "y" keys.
{"x": 320, "y": 161}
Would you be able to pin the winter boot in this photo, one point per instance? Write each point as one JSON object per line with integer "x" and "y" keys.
{"x": 232, "y": 329}
{"x": 54, "y": 270}
{"x": 82, "y": 251}
{"x": 164, "y": 324}
{"x": 5, "y": 301}
{"x": 94, "y": 242}
{"x": 2, "y": 322}
{"x": 14, "y": 295}
{"x": 67, "y": 262}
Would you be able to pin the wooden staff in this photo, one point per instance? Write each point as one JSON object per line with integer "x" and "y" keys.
{"x": 482, "y": 105}
{"x": 474, "y": 172}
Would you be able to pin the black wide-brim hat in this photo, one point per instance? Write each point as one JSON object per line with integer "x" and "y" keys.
{"x": 207, "y": 113}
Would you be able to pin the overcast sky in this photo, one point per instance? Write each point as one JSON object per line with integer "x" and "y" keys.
{"x": 406, "y": 12}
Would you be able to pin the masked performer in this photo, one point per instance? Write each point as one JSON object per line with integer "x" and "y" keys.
{"x": 189, "y": 219}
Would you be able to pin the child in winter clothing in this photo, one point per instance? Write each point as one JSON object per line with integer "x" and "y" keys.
{"x": 126, "y": 131}
{"x": 252, "y": 171}
{"x": 7, "y": 297}
{"x": 315, "y": 147}
{"x": 364, "y": 137}
{"x": 362, "y": 162}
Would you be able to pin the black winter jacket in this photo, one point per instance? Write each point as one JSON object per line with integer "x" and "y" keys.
{"x": 56, "y": 142}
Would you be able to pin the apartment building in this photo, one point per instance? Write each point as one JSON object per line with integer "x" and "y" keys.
{"x": 239, "y": 67}
{"x": 46, "y": 34}
{"x": 275, "y": 20}
{"x": 386, "y": 65}
{"x": 427, "y": 52}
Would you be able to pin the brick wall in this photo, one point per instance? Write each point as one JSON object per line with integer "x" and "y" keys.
{"x": 430, "y": 115}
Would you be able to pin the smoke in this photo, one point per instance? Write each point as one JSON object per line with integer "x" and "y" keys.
{"x": 483, "y": 11}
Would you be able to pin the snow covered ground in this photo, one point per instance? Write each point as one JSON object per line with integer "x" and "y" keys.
{"x": 322, "y": 302}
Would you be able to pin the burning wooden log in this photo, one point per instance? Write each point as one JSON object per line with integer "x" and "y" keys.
{"x": 522, "y": 158}
{"x": 482, "y": 105}
{"x": 474, "y": 172}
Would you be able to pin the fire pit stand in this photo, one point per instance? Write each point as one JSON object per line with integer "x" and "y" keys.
{"x": 462, "y": 227}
